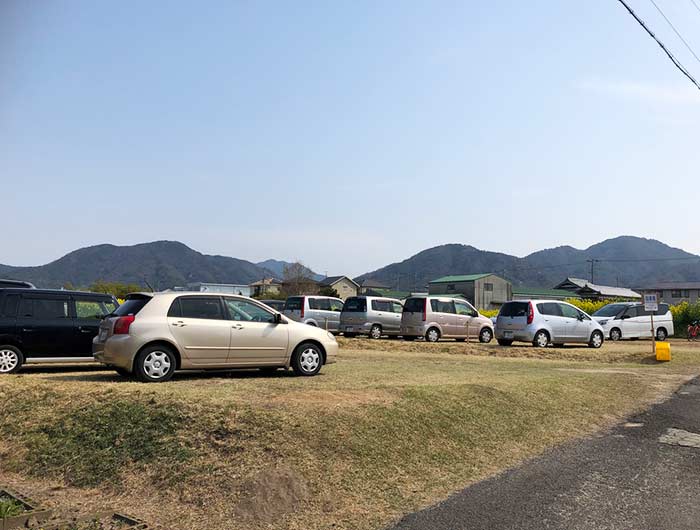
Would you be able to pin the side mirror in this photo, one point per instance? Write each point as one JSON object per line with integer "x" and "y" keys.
{"x": 278, "y": 319}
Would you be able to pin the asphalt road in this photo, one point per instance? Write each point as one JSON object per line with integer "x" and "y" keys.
{"x": 626, "y": 479}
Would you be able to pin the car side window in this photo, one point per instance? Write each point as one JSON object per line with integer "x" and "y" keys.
{"x": 205, "y": 307}
{"x": 44, "y": 308}
{"x": 336, "y": 305}
{"x": 632, "y": 312}
{"x": 95, "y": 309}
{"x": 381, "y": 305}
{"x": 445, "y": 307}
{"x": 10, "y": 305}
{"x": 549, "y": 309}
{"x": 397, "y": 307}
{"x": 245, "y": 311}
{"x": 463, "y": 308}
{"x": 568, "y": 311}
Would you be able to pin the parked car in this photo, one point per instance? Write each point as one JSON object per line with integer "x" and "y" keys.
{"x": 629, "y": 320}
{"x": 16, "y": 283}
{"x": 371, "y": 315}
{"x": 544, "y": 322}
{"x": 436, "y": 317}
{"x": 40, "y": 325}
{"x": 277, "y": 305}
{"x": 151, "y": 335}
{"x": 320, "y": 311}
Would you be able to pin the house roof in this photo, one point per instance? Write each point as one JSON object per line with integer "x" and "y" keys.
{"x": 605, "y": 290}
{"x": 571, "y": 283}
{"x": 461, "y": 278}
{"x": 671, "y": 286}
{"x": 535, "y": 292}
{"x": 266, "y": 281}
{"x": 369, "y": 283}
{"x": 329, "y": 281}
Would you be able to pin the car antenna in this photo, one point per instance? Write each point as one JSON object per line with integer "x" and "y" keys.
{"x": 149, "y": 285}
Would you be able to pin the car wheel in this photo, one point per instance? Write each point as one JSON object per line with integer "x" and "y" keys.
{"x": 123, "y": 372}
{"x": 541, "y": 339}
{"x": 307, "y": 359}
{"x": 615, "y": 334}
{"x": 486, "y": 335}
{"x": 11, "y": 359}
{"x": 155, "y": 364}
{"x": 661, "y": 334}
{"x": 432, "y": 335}
{"x": 375, "y": 332}
{"x": 504, "y": 342}
{"x": 596, "y": 340}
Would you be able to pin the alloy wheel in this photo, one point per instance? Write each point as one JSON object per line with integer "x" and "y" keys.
{"x": 375, "y": 332}
{"x": 8, "y": 361}
{"x": 309, "y": 360}
{"x": 433, "y": 335}
{"x": 486, "y": 335}
{"x": 541, "y": 339}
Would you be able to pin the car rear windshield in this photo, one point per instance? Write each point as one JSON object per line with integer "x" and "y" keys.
{"x": 132, "y": 305}
{"x": 355, "y": 305}
{"x": 414, "y": 305}
{"x": 294, "y": 304}
{"x": 610, "y": 310}
{"x": 514, "y": 309}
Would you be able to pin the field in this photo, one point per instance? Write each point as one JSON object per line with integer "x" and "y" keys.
{"x": 390, "y": 428}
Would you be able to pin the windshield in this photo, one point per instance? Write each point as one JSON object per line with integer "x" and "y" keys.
{"x": 355, "y": 305}
{"x": 610, "y": 310}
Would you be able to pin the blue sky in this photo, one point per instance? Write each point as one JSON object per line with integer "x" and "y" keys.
{"x": 330, "y": 131}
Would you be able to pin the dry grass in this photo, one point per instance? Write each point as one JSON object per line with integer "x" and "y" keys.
{"x": 390, "y": 428}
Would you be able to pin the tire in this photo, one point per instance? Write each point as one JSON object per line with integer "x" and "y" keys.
{"x": 375, "y": 332}
{"x": 155, "y": 364}
{"x": 485, "y": 335}
{"x": 432, "y": 335}
{"x": 123, "y": 372}
{"x": 350, "y": 335}
{"x": 307, "y": 359}
{"x": 615, "y": 334}
{"x": 597, "y": 340}
{"x": 504, "y": 342}
{"x": 661, "y": 334}
{"x": 11, "y": 359}
{"x": 541, "y": 339}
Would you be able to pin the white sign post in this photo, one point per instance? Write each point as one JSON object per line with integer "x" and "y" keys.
{"x": 651, "y": 305}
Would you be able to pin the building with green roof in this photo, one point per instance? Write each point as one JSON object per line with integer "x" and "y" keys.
{"x": 483, "y": 290}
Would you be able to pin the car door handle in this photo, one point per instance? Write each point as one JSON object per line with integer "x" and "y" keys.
{"x": 179, "y": 324}
{"x": 237, "y": 326}
{"x": 85, "y": 330}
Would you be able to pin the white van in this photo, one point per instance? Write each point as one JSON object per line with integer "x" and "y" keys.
{"x": 629, "y": 320}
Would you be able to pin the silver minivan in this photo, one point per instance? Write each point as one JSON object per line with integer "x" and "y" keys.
{"x": 319, "y": 311}
{"x": 436, "y": 317}
{"x": 544, "y": 322}
{"x": 371, "y": 315}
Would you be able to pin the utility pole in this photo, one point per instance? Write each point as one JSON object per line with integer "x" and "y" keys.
{"x": 592, "y": 261}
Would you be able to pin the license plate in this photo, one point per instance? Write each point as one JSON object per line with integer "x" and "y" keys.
{"x": 349, "y": 328}
{"x": 508, "y": 334}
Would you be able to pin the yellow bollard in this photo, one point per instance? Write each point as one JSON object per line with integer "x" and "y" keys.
{"x": 663, "y": 351}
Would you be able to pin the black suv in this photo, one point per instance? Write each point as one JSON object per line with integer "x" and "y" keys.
{"x": 49, "y": 325}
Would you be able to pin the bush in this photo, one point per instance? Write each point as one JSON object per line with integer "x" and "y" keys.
{"x": 683, "y": 314}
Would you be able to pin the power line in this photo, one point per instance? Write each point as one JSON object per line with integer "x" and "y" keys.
{"x": 675, "y": 30}
{"x": 661, "y": 44}
{"x": 696, "y": 5}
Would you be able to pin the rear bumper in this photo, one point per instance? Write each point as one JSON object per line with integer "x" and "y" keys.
{"x": 118, "y": 350}
{"x": 520, "y": 335}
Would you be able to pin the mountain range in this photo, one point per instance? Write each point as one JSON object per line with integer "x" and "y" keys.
{"x": 625, "y": 261}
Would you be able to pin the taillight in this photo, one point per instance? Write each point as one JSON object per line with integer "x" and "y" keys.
{"x": 530, "y": 313}
{"x": 122, "y": 325}
{"x": 303, "y": 303}
{"x": 425, "y": 309}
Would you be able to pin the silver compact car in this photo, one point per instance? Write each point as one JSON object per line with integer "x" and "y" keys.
{"x": 371, "y": 315}
{"x": 320, "y": 311}
{"x": 544, "y": 322}
{"x": 153, "y": 335}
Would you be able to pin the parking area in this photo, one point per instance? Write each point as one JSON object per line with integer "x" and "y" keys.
{"x": 393, "y": 427}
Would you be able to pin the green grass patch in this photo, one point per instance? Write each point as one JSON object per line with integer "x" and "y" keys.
{"x": 9, "y": 507}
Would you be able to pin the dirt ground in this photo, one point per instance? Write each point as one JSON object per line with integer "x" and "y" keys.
{"x": 392, "y": 427}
